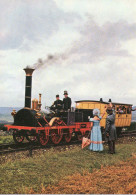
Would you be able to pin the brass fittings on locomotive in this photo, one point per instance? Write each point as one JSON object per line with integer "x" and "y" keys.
{"x": 36, "y": 105}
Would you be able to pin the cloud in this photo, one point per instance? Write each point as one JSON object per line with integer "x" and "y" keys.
{"x": 102, "y": 10}
{"x": 31, "y": 20}
{"x": 97, "y": 63}
{"x": 98, "y": 42}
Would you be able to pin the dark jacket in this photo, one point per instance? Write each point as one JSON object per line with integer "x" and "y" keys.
{"x": 110, "y": 128}
{"x": 67, "y": 103}
{"x": 58, "y": 104}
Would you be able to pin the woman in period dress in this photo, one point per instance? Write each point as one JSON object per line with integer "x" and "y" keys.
{"x": 96, "y": 135}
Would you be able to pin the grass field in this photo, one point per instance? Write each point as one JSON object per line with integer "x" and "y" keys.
{"x": 22, "y": 174}
{"x": 115, "y": 179}
{"x": 6, "y": 139}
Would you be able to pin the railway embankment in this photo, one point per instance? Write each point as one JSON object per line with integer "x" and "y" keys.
{"x": 21, "y": 173}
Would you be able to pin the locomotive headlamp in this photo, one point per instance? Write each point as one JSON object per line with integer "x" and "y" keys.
{"x": 13, "y": 113}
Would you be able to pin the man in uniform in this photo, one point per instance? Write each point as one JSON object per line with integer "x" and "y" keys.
{"x": 110, "y": 130}
{"x": 58, "y": 104}
{"x": 66, "y": 101}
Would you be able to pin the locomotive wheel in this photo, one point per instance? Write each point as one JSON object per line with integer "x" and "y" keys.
{"x": 79, "y": 136}
{"x": 42, "y": 138}
{"x": 17, "y": 137}
{"x": 87, "y": 134}
{"x": 31, "y": 138}
{"x": 67, "y": 136}
{"x": 55, "y": 137}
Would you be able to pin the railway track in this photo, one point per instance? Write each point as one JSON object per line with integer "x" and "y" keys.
{"x": 11, "y": 148}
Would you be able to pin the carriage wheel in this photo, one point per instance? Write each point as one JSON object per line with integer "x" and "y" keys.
{"x": 79, "y": 136}
{"x": 31, "y": 138}
{"x": 17, "y": 137}
{"x": 55, "y": 137}
{"x": 68, "y": 136}
{"x": 42, "y": 138}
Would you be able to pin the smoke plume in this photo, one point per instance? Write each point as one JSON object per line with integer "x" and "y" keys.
{"x": 50, "y": 59}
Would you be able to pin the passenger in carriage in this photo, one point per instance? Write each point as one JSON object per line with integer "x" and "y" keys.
{"x": 129, "y": 109}
{"x": 124, "y": 110}
{"x": 58, "y": 104}
{"x": 66, "y": 102}
{"x": 120, "y": 110}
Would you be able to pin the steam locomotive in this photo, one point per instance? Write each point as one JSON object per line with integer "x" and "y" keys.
{"x": 39, "y": 125}
{"x": 44, "y": 125}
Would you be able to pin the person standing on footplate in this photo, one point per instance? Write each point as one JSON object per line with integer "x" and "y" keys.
{"x": 66, "y": 101}
{"x": 57, "y": 105}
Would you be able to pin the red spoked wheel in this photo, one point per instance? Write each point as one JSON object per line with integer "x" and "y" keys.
{"x": 17, "y": 137}
{"x": 43, "y": 138}
{"x": 79, "y": 136}
{"x": 55, "y": 136}
{"x": 31, "y": 138}
{"x": 68, "y": 136}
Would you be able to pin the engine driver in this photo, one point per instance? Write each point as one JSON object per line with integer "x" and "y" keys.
{"x": 58, "y": 104}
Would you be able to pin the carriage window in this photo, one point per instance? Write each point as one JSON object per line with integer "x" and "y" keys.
{"x": 124, "y": 110}
{"x": 129, "y": 109}
{"x": 120, "y": 110}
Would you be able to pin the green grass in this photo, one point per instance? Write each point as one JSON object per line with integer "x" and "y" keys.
{"x": 6, "y": 139}
{"x": 17, "y": 176}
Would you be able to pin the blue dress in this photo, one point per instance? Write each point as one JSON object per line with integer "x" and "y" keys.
{"x": 96, "y": 136}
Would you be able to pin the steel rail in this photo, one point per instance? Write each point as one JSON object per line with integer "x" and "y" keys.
{"x": 10, "y": 148}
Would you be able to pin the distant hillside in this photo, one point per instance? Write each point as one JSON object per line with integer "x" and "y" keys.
{"x": 5, "y": 114}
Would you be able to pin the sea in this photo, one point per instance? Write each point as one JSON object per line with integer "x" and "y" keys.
{"x": 5, "y": 114}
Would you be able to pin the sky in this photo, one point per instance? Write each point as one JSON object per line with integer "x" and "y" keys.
{"x": 93, "y": 44}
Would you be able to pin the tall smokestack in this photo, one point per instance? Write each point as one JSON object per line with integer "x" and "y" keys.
{"x": 28, "y": 86}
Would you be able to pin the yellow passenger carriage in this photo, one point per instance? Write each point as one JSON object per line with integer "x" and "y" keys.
{"x": 123, "y": 112}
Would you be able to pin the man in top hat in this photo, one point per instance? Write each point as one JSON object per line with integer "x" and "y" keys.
{"x": 58, "y": 104}
{"x": 110, "y": 130}
{"x": 66, "y": 101}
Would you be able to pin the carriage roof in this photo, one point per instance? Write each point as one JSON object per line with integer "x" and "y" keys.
{"x": 115, "y": 103}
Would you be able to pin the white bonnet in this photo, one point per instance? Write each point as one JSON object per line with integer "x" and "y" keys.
{"x": 96, "y": 112}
